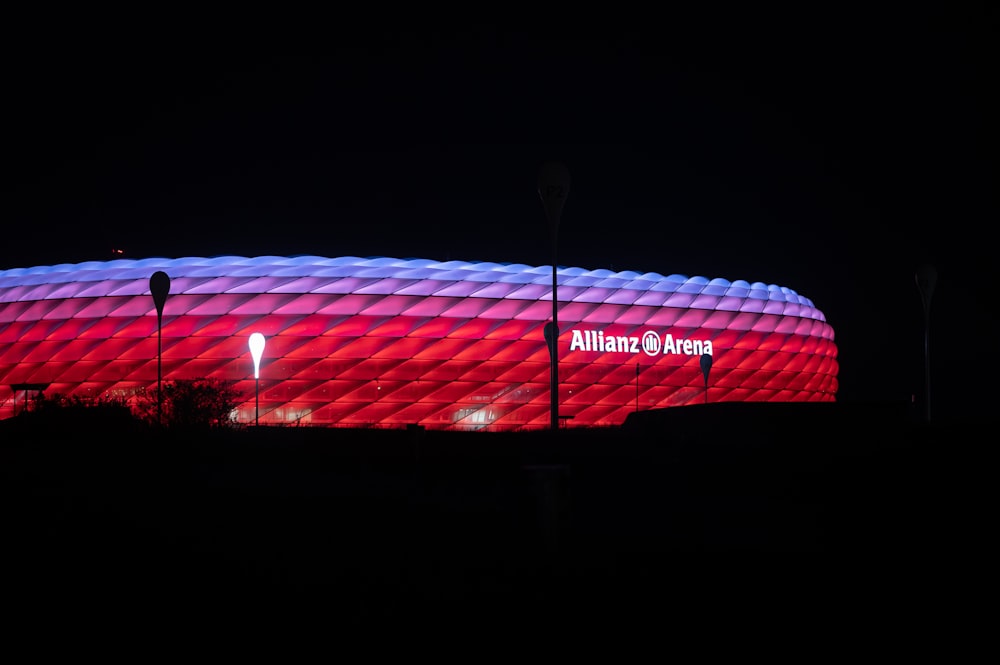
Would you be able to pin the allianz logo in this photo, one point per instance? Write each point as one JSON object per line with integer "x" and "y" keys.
{"x": 649, "y": 343}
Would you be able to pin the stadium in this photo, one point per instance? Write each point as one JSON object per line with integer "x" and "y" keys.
{"x": 390, "y": 342}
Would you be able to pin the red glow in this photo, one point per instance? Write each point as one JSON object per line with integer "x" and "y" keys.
{"x": 448, "y": 352}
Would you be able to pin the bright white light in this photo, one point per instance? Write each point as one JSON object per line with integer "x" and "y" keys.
{"x": 256, "y": 350}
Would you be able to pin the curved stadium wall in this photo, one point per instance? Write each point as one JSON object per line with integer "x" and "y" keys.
{"x": 392, "y": 342}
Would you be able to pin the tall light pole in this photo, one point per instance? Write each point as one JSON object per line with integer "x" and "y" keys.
{"x": 926, "y": 279}
{"x": 256, "y": 350}
{"x": 706, "y": 366}
{"x": 159, "y": 287}
{"x": 553, "y": 188}
{"x": 637, "y": 387}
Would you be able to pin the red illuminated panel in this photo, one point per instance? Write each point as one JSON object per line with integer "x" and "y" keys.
{"x": 39, "y": 352}
{"x": 397, "y": 326}
{"x": 404, "y": 348}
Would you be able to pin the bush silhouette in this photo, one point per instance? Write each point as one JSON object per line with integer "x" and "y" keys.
{"x": 190, "y": 404}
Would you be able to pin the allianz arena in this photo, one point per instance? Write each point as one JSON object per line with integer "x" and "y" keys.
{"x": 393, "y": 342}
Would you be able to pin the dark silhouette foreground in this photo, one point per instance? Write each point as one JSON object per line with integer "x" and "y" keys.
{"x": 674, "y": 507}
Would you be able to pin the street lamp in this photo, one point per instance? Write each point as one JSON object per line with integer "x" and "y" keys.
{"x": 553, "y": 188}
{"x": 706, "y": 366}
{"x": 256, "y": 350}
{"x": 637, "y": 387}
{"x": 159, "y": 287}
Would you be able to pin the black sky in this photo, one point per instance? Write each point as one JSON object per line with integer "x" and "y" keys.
{"x": 831, "y": 153}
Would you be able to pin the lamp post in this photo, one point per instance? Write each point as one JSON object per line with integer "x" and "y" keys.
{"x": 553, "y": 188}
{"x": 159, "y": 287}
{"x": 637, "y": 387}
{"x": 926, "y": 279}
{"x": 256, "y": 350}
{"x": 706, "y": 366}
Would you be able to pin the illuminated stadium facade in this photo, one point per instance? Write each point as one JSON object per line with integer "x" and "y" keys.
{"x": 393, "y": 342}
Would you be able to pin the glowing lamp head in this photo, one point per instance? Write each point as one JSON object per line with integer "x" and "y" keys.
{"x": 256, "y": 350}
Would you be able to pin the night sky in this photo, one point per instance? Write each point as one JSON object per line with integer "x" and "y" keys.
{"x": 829, "y": 153}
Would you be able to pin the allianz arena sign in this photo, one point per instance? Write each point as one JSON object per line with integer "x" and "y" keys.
{"x": 648, "y": 342}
